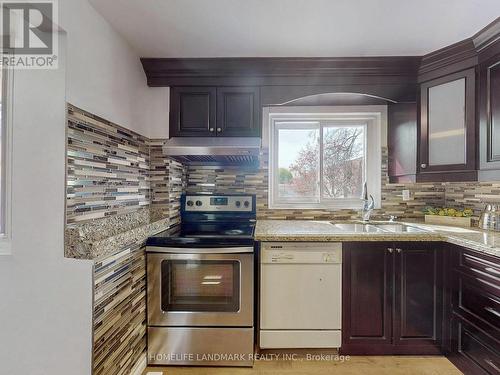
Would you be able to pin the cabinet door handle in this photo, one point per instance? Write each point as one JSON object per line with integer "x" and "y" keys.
{"x": 490, "y": 362}
{"x": 390, "y": 249}
{"x": 398, "y": 250}
{"x": 492, "y": 311}
{"x": 492, "y": 270}
{"x": 211, "y": 129}
{"x": 423, "y": 165}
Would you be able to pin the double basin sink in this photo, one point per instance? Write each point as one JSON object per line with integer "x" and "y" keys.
{"x": 376, "y": 228}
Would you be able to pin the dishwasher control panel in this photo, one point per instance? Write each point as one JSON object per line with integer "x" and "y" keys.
{"x": 301, "y": 252}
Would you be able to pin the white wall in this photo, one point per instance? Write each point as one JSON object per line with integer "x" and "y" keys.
{"x": 45, "y": 299}
{"x": 105, "y": 75}
{"x": 155, "y": 104}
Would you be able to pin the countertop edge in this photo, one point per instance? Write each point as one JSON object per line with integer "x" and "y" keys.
{"x": 435, "y": 234}
{"x": 76, "y": 248}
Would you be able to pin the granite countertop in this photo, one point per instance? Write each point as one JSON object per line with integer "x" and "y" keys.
{"x": 306, "y": 230}
{"x": 104, "y": 237}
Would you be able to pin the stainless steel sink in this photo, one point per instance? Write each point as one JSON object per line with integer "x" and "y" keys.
{"x": 357, "y": 228}
{"x": 376, "y": 228}
{"x": 398, "y": 228}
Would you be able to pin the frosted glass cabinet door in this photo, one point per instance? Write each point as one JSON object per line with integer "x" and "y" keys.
{"x": 447, "y": 150}
{"x": 446, "y": 123}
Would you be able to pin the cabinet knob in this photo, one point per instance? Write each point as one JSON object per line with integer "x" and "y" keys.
{"x": 398, "y": 250}
{"x": 211, "y": 129}
{"x": 423, "y": 165}
{"x": 219, "y": 130}
{"x": 390, "y": 249}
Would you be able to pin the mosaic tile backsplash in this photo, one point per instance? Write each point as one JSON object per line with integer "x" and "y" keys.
{"x": 119, "y": 312}
{"x": 167, "y": 180}
{"x": 117, "y": 181}
{"x": 472, "y": 195}
{"x": 107, "y": 168}
{"x": 120, "y": 189}
{"x": 453, "y": 194}
{"x": 235, "y": 180}
{"x": 112, "y": 171}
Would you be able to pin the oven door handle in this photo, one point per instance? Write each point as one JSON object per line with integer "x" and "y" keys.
{"x": 200, "y": 250}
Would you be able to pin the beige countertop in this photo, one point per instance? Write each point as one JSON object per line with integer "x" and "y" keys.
{"x": 324, "y": 231}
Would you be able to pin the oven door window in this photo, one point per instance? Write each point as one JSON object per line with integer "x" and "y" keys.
{"x": 200, "y": 285}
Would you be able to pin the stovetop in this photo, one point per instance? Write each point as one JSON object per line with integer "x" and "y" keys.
{"x": 206, "y": 234}
{"x": 215, "y": 220}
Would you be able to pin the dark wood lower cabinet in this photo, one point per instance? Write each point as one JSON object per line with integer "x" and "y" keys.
{"x": 418, "y": 299}
{"x": 422, "y": 298}
{"x": 392, "y": 298}
{"x": 475, "y": 311}
{"x": 367, "y": 313}
{"x": 473, "y": 351}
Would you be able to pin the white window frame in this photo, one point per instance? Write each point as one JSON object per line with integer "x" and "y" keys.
{"x": 274, "y": 178}
{"x": 6, "y": 168}
{"x": 373, "y": 117}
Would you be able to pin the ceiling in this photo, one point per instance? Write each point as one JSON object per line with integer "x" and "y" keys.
{"x": 294, "y": 28}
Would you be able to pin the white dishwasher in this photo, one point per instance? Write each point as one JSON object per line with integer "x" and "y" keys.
{"x": 300, "y": 295}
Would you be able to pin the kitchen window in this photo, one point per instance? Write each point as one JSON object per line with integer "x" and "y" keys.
{"x": 322, "y": 160}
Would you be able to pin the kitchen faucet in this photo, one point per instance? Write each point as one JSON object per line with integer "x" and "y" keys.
{"x": 368, "y": 204}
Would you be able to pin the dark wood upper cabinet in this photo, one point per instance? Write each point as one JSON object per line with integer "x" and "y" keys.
{"x": 402, "y": 142}
{"x": 447, "y": 139}
{"x": 238, "y": 111}
{"x": 392, "y": 300}
{"x": 192, "y": 111}
{"x": 489, "y": 117}
{"x": 492, "y": 75}
{"x": 487, "y": 43}
{"x": 214, "y": 111}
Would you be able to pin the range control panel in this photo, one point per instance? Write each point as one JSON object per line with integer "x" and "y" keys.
{"x": 214, "y": 203}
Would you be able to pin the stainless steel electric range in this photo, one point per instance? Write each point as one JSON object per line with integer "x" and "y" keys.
{"x": 200, "y": 277}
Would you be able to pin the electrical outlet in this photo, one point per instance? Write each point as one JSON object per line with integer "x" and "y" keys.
{"x": 406, "y": 195}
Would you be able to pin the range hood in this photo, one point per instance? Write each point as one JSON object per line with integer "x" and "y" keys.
{"x": 223, "y": 151}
